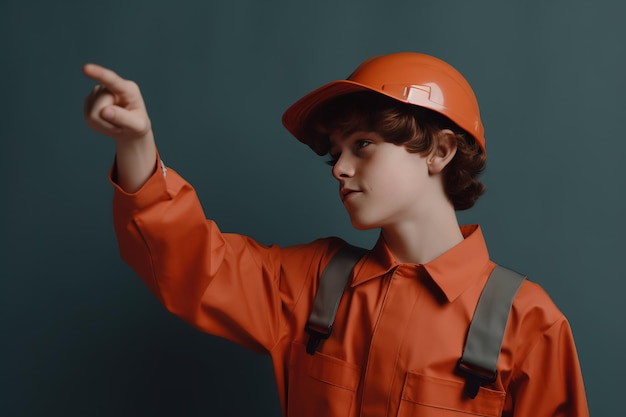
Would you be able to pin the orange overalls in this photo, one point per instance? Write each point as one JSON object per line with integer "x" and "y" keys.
{"x": 398, "y": 333}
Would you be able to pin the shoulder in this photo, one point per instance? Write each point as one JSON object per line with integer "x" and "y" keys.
{"x": 534, "y": 318}
{"x": 534, "y": 323}
{"x": 301, "y": 266}
{"x": 316, "y": 254}
{"x": 533, "y": 306}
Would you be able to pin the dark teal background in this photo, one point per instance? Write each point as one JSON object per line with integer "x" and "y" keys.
{"x": 81, "y": 336}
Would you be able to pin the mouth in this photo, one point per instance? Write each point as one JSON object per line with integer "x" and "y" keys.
{"x": 347, "y": 193}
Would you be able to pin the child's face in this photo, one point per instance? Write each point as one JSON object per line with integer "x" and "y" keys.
{"x": 380, "y": 184}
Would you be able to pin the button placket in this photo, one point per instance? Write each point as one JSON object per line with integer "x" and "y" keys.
{"x": 389, "y": 334}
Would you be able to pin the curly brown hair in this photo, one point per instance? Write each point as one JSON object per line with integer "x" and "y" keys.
{"x": 414, "y": 127}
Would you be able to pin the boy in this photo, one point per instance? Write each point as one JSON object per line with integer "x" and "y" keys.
{"x": 406, "y": 146}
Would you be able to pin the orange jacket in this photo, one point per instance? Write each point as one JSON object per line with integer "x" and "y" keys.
{"x": 398, "y": 333}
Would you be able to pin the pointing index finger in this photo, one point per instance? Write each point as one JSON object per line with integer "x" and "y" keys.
{"x": 106, "y": 78}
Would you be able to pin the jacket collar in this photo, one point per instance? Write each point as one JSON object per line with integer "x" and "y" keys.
{"x": 453, "y": 271}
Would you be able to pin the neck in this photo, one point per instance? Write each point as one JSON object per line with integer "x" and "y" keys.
{"x": 421, "y": 242}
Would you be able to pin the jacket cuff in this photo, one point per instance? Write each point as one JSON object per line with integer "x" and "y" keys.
{"x": 153, "y": 190}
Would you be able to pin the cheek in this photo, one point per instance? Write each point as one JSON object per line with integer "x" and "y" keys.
{"x": 395, "y": 172}
{"x": 386, "y": 190}
{"x": 395, "y": 179}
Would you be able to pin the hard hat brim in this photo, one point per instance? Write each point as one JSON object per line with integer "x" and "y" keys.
{"x": 295, "y": 117}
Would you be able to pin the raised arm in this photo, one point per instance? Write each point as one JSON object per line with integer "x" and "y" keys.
{"x": 116, "y": 109}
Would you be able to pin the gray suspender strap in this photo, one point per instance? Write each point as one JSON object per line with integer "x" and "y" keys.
{"x": 484, "y": 338}
{"x": 329, "y": 291}
{"x": 486, "y": 332}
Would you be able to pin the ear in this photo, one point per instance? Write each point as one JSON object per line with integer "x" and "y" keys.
{"x": 443, "y": 151}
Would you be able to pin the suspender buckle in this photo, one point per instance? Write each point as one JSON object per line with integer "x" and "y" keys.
{"x": 315, "y": 337}
{"x": 475, "y": 377}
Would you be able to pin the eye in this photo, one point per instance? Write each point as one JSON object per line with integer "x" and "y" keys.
{"x": 361, "y": 143}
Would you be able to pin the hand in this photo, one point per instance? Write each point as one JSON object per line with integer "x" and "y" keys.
{"x": 115, "y": 107}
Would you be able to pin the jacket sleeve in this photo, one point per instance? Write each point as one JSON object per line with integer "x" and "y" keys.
{"x": 548, "y": 380}
{"x": 225, "y": 284}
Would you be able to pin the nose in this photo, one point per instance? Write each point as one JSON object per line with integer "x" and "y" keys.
{"x": 344, "y": 167}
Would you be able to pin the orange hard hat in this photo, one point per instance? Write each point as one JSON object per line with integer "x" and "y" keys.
{"x": 408, "y": 77}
